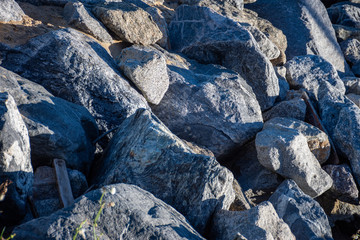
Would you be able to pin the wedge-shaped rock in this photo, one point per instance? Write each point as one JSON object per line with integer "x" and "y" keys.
{"x": 76, "y": 68}
{"x": 145, "y": 153}
{"x": 284, "y": 150}
{"x": 258, "y": 223}
{"x": 57, "y": 128}
{"x": 314, "y": 33}
{"x": 10, "y": 11}
{"x": 204, "y": 35}
{"x": 304, "y": 215}
{"x": 129, "y": 213}
{"x": 209, "y": 105}
{"x": 15, "y": 162}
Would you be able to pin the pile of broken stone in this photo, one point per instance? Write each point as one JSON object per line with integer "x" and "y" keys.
{"x": 216, "y": 120}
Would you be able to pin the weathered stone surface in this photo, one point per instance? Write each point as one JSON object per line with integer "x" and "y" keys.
{"x": 343, "y": 32}
{"x": 351, "y": 48}
{"x": 344, "y": 186}
{"x": 314, "y": 32}
{"x": 209, "y": 105}
{"x": 294, "y": 108}
{"x": 10, "y": 11}
{"x": 345, "y": 14}
{"x": 129, "y": 213}
{"x": 147, "y": 69}
{"x": 160, "y": 20}
{"x": 352, "y": 85}
{"x": 305, "y": 217}
{"x": 208, "y": 37}
{"x": 129, "y": 22}
{"x": 261, "y": 222}
{"x": 237, "y": 4}
{"x": 57, "y": 128}
{"x": 74, "y": 67}
{"x": 284, "y": 150}
{"x": 145, "y": 153}
{"x": 308, "y": 72}
{"x": 354, "y": 98}
{"x": 80, "y": 18}
{"x": 15, "y": 162}
{"x": 241, "y": 202}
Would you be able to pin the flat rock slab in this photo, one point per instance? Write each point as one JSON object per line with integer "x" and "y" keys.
{"x": 10, "y": 11}
{"x": 145, "y": 153}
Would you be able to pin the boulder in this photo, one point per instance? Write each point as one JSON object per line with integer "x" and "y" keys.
{"x": 352, "y": 85}
{"x": 294, "y": 108}
{"x": 351, "y": 48}
{"x": 147, "y": 69}
{"x": 209, "y": 105}
{"x": 75, "y": 67}
{"x": 354, "y": 98}
{"x": 77, "y": 16}
{"x": 206, "y": 36}
{"x": 237, "y": 4}
{"x": 284, "y": 150}
{"x": 16, "y": 172}
{"x": 57, "y": 128}
{"x": 145, "y": 153}
{"x": 129, "y": 213}
{"x": 345, "y": 14}
{"x": 305, "y": 217}
{"x": 129, "y": 22}
{"x": 258, "y": 223}
{"x": 343, "y": 32}
{"x": 308, "y": 72}
{"x": 10, "y": 11}
{"x": 314, "y": 32}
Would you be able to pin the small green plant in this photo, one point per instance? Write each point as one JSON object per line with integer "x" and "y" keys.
{"x": 356, "y": 236}
{"x": 2, "y": 235}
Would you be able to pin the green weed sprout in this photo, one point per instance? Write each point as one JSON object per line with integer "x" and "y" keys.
{"x": 2, "y": 235}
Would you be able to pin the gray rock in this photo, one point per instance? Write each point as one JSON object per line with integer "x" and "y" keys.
{"x": 79, "y": 17}
{"x": 343, "y": 32}
{"x": 15, "y": 162}
{"x": 78, "y": 182}
{"x": 314, "y": 32}
{"x": 145, "y": 153}
{"x": 305, "y": 217}
{"x": 344, "y": 186}
{"x": 208, "y": 37}
{"x": 129, "y": 22}
{"x": 129, "y": 213}
{"x": 10, "y": 11}
{"x": 345, "y": 14}
{"x": 240, "y": 203}
{"x": 159, "y": 19}
{"x": 308, "y": 72}
{"x": 57, "y": 128}
{"x": 294, "y": 108}
{"x": 209, "y": 105}
{"x": 258, "y": 223}
{"x": 147, "y": 69}
{"x": 351, "y": 49}
{"x": 284, "y": 150}
{"x": 352, "y": 85}
{"x": 354, "y": 98}
{"x": 74, "y": 67}
{"x": 238, "y": 4}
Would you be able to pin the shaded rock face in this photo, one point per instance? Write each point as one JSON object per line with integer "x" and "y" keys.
{"x": 261, "y": 222}
{"x": 74, "y": 67}
{"x": 305, "y": 217}
{"x": 354, "y": 98}
{"x": 345, "y": 14}
{"x": 57, "y": 128}
{"x": 10, "y": 11}
{"x": 208, "y": 37}
{"x": 294, "y": 108}
{"x": 15, "y": 164}
{"x": 238, "y": 4}
{"x": 145, "y": 153}
{"x": 352, "y": 85}
{"x": 209, "y": 105}
{"x": 314, "y": 32}
{"x": 129, "y": 213}
{"x": 351, "y": 49}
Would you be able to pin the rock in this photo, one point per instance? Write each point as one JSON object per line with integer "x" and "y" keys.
{"x": 351, "y": 49}
{"x": 160, "y": 20}
{"x": 314, "y": 32}
{"x": 209, "y": 105}
{"x": 80, "y": 18}
{"x": 352, "y": 85}
{"x": 15, "y": 162}
{"x": 354, "y": 98}
{"x": 78, "y": 182}
{"x": 343, "y": 33}
{"x": 208, "y": 37}
{"x": 295, "y": 108}
{"x": 344, "y": 212}
{"x": 147, "y": 69}
{"x": 305, "y": 217}
{"x": 87, "y": 77}
{"x": 344, "y": 186}
{"x": 308, "y": 72}
{"x": 284, "y": 150}
{"x": 129, "y": 213}
{"x": 57, "y": 128}
{"x": 10, "y": 11}
{"x": 345, "y": 14}
{"x": 240, "y": 203}
{"x": 129, "y": 22}
{"x": 237, "y": 4}
{"x": 261, "y": 222}
{"x": 145, "y": 153}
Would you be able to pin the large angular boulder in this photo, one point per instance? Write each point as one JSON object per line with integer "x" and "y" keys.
{"x": 314, "y": 32}
{"x": 16, "y": 172}
{"x": 209, "y": 105}
{"x": 10, "y": 11}
{"x": 129, "y": 213}
{"x": 305, "y": 217}
{"x": 294, "y": 108}
{"x": 76, "y": 68}
{"x": 206, "y": 36}
{"x": 145, "y": 153}
{"x": 57, "y": 128}
{"x": 351, "y": 49}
